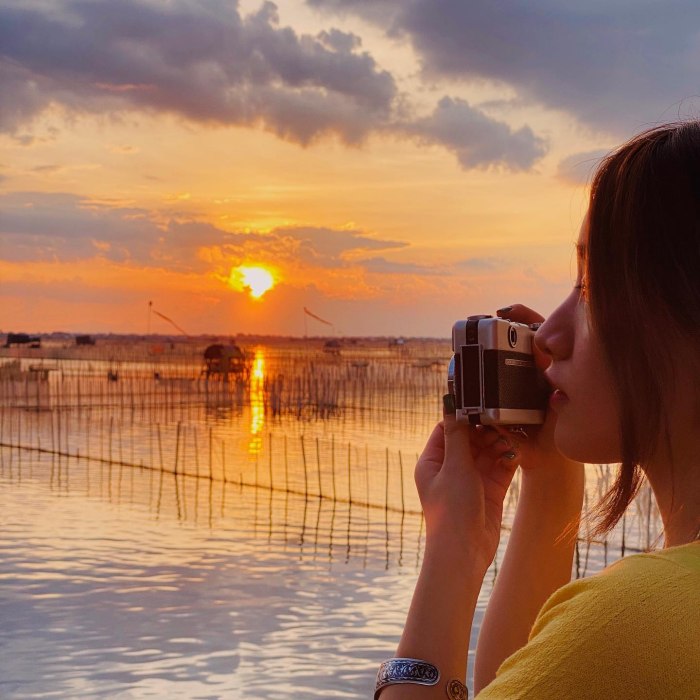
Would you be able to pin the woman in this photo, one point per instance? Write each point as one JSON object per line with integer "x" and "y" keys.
{"x": 621, "y": 353}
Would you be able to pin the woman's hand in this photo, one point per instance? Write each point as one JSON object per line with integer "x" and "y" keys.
{"x": 537, "y": 449}
{"x": 540, "y": 548}
{"x": 462, "y": 478}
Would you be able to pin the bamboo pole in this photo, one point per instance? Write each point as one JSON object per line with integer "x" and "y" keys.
{"x": 318, "y": 468}
{"x": 269, "y": 457}
{"x": 306, "y": 475}
{"x": 349, "y": 474}
{"x": 177, "y": 446}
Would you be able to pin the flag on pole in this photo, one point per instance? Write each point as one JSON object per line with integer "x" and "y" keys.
{"x": 318, "y": 318}
{"x": 171, "y": 322}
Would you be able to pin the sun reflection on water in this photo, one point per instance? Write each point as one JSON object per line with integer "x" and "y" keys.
{"x": 257, "y": 403}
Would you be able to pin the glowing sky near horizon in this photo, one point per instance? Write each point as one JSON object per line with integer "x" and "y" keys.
{"x": 393, "y": 166}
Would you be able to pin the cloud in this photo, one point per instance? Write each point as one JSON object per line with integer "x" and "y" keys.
{"x": 477, "y": 140}
{"x": 206, "y": 62}
{"x": 48, "y": 169}
{"x": 383, "y": 266}
{"x": 24, "y": 95}
{"x": 472, "y": 266}
{"x": 57, "y": 226}
{"x": 326, "y": 247}
{"x": 123, "y": 150}
{"x": 480, "y": 264}
{"x": 201, "y": 60}
{"x": 616, "y": 66}
{"x": 64, "y": 227}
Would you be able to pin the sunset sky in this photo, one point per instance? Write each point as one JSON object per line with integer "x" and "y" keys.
{"x": 394, "y": 165}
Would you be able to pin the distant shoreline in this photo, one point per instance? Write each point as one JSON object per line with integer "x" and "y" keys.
{"x": 64, "y": 336}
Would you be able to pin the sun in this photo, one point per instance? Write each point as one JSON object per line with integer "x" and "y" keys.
{"x": 257, "y": 280}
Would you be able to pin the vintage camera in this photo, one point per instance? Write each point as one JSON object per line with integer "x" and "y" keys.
{"x": 493, "y": 375}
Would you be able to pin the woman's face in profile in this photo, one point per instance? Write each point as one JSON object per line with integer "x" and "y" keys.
{"x": 587, "y": 427}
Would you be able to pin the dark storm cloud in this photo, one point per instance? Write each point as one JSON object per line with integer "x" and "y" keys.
{"x": 37, "y": 226}
{"x": 206, "y": 62}
{"x": 615, "y": 65}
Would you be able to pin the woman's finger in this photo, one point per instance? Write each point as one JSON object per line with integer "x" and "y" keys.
{"x": 503, "y": 450}
{"x": 486, "y": 435}
{"x": 434, "y": 450}
{"x": 523, "y": 314}
{"x": 498, "y": 447}
{"x": 498, "y": 463}
{"x": 520, "y": 314}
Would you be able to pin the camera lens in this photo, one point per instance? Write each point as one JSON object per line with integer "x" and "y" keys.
{"x": 512, "y": 336}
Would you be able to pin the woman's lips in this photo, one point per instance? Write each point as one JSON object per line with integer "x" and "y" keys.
{"x": 557, "y": 399}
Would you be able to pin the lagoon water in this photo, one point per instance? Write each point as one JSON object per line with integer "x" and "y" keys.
{"x": 209, "y": 549}
{"x": 225, "y": 593}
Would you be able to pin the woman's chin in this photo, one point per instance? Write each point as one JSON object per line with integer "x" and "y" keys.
{"x": 583, "y": 446}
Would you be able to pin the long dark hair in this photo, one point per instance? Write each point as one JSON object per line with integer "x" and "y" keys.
{"x": 643, "y": 279}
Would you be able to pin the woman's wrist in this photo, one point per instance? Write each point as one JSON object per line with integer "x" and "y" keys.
{"x": 442, "y": 609}
{"x": 458, "y": 553}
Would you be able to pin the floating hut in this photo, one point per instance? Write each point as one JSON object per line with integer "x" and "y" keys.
{"x": 332, "y": 347}
{"x": 221, "y": 360}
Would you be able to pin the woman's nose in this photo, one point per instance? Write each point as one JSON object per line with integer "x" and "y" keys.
{"x": 555, "y": 337}
{"x": 542, "y": 340}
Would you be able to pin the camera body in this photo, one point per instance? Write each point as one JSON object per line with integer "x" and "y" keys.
{"x": 493, "y": 374}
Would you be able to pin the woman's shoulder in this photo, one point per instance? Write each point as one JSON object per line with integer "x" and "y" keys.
{"x": 683, "y": 558}
{"x": 653, "y": 584}
{"x": 649, "y": 569}
{"x": 632, "y": 630}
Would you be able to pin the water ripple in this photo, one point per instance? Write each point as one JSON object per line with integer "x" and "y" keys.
{"x": 103, "y": 600}
{"x": 208, "y": 591}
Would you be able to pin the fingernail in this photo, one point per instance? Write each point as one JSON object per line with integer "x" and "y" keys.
{"x": 505, "y": 310}
{"x": 448, "y": 402}
{"x": 509, "y": 455}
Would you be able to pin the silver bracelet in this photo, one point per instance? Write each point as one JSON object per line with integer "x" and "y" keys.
{"x": 415, "y": 671}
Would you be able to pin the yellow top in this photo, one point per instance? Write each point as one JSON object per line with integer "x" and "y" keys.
{"x": 631, "y": 631}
